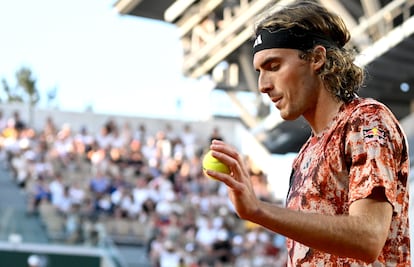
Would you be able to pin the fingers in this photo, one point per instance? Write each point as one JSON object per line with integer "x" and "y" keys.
{"x": 227, "y": 179}
{"x": 227, "y": 157}
{"x": 230, "y": 157}
{"x": 215, "y": 141}
{"x": 241, "y": 192}
{"x": 223, "y": 151}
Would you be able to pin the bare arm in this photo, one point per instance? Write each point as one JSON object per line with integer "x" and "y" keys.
{"x": 360, "y": 235}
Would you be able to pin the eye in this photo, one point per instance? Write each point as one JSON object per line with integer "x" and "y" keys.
{"x": 274, "y": 66}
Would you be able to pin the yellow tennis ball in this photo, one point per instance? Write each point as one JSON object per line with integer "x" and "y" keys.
{"x": 211, "y": 163}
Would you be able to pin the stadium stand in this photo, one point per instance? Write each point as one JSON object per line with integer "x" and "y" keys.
{"x": 135, "y": 189}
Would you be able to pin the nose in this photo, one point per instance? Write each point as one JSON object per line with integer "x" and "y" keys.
{"x": 264, "y": 84}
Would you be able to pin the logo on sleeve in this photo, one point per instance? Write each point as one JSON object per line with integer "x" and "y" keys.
{"x": 373, "y": 134}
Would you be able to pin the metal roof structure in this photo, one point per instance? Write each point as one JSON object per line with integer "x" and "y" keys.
{"x": 214, "y": 32}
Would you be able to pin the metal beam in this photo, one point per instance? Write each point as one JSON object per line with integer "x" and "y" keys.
{"x": 246, "y": 65}
{"x": 126, "y": 6}
{"x": 177, "y": 9}
{"x": 381, "y": 46}
{"x": 187, "y": 23}
{"x": 241, "y": 22}
{"x": 204, "y": 66}
{"x": 338, "y": 8}
{"x": 370, "y": 7}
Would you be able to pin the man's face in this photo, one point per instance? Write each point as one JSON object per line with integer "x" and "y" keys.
{"x": 291, "y": 83}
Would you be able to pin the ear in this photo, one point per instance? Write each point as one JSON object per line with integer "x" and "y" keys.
{"x": 319, "y": 58}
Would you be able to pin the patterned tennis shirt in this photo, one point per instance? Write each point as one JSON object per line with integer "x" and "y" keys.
{"x": 363, "y": 148}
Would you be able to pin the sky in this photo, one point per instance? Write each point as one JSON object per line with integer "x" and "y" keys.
{"x": 97, "y": 58}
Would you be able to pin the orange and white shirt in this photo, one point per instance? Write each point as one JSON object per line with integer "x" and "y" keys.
{"x": 363, "y": 148}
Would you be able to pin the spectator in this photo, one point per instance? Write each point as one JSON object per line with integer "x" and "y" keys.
{"x": 38, "y": 193}
{"x": 166, "y": 190}
{"x": 142, "y": 194}
{"x": 206, "y": 233}
{"x": 3, "y": 121}
{"x": 77, "y": 193}
{"x": 41, "y": 166}
{"x": 169, "y": 255}
{"x": 170, "y": 135}
{"x": 105, "y": 137}
{"x": 222, "y": 247}
{"x": 126, "y": 134}
{"x": 122, "y": 199}
{"x": 64, "y": 203}
{"x": 99, "y": 184}
{"x": 56, "y": 188}
{"x": 151, "y": 153}
{"x": 83, "y": 142}
{"x": 215, "y": 135}
{"x": 73, "y": 225}
{"x": 49, "y": 130}
{"x": 17, "y": 121}
{"x": 134, "y": 157}
{"x": 164, "y": 146}
{"x": 141, "y": 134}
{"x": 189, "y": 141}
{"x": 63, "y": 147}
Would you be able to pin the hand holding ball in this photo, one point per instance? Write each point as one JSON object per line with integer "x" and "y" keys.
{"x": 211, "y": 163}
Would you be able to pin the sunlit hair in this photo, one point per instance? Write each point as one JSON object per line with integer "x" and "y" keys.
{"x": 340, "y": 75}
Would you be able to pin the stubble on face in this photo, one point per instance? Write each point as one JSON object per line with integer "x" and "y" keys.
{"x": 292, "y": 85}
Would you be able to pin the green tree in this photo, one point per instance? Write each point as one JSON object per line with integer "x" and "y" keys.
{"x": 25, "y": 90}
{"x": 12, "y": 95}
{"x": 27, "y": 84}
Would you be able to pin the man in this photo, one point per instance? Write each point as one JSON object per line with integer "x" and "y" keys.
{"x": 348, "y": 200}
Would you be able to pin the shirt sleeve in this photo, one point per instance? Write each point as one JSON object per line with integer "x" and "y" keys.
{"x": 374, "y": 146}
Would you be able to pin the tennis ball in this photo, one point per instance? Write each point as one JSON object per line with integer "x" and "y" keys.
{"x": 211, "y": 163}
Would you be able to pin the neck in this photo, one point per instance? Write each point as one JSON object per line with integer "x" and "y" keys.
{"x": 324, "y": 112}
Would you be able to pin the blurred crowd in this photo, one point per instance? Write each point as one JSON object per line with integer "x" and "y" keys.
{"x": 123, "y": 174}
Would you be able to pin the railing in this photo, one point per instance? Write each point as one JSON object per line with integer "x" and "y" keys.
{"x": 372, "y": 29}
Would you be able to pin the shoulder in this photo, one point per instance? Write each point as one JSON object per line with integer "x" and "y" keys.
{"x": 371, "y": 120}
{"x": 362, "y": 105}
{"x": 368, "y": 110}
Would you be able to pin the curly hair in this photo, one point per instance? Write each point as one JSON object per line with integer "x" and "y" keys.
{"x": 341, "y": 76}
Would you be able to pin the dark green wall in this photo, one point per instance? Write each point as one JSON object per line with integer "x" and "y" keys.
{"x": 19, "y": 259}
